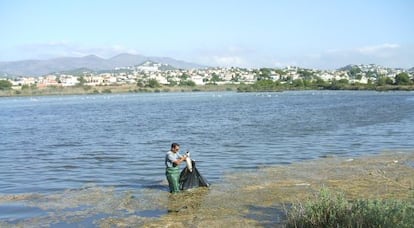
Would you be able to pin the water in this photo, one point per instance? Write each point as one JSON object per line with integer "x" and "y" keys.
{"x": 51, "y": 144}
{"x": 54, "y": 143}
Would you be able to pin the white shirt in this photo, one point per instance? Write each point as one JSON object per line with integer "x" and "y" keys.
{"x": 171, "y": 157}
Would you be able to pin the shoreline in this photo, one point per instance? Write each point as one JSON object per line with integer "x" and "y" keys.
{"x": 89, "y": 90}
{"x": 253, "y": 198}
{"x": 260, "y": 198}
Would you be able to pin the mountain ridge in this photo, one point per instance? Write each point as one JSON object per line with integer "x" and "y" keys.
{"x": 42, "y": 67}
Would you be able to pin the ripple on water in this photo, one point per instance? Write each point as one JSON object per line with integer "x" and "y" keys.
{"x": 13, "y": 212}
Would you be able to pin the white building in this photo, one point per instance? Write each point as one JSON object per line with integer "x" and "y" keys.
{"x": 68, "y": 80}
{"x": 160, "y": 79}
{"x": 197, "y": 79}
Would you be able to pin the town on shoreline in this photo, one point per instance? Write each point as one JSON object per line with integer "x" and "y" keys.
{"x": 156, "y": 77}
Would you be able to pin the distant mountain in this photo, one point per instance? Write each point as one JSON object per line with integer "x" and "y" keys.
{"x": 3, "y": 74}
{"x": 77, "y": 71}
{"x": 123, "y": 60}
{"x": 91, "y": 62}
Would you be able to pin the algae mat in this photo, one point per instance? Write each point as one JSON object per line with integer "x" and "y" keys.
{"x": 255, "y": 198}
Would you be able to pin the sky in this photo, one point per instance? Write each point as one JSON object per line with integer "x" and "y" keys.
{"x": 323, "y": 34}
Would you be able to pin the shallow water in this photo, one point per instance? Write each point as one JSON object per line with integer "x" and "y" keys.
{"x": 49, "y": 145}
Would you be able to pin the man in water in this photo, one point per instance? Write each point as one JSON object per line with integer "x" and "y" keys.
{"x": 172, "y": 161}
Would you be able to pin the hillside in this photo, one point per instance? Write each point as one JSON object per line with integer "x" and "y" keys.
{"x": 92, "y": 62}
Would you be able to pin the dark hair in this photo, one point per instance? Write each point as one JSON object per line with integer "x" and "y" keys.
{"x": 174, "y": 145}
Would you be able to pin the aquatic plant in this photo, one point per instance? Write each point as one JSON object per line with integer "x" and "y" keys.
{"x": 333, "y": 210}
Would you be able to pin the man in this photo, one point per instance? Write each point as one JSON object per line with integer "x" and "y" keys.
{"x": 172, "y": 161}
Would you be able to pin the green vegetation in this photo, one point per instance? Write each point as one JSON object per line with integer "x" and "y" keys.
{"x": 383, "y": 80}
{"x": 213, "y": 80}
{"x": 235, "y": 79}
{"x": 370, "y": 191}
{"x": 262, "y": 86}
{"x": 101, "y": 89}
{"x": 188, "y": 83}
{"x": 184, "y": 77}
{"x": 81, "y": 80}
{"x": 402, "y": 82}
{"x": 354, "y": 71}
{"x": 333, "y": 210}
{"x": 153, "y": 83}
{"x": 5, "y": 85}
{"x": 305, "y": 79}
{"x": 403, "y": 79}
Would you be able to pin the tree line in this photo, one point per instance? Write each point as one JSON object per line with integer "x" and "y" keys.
{"x": 309, "y": 81}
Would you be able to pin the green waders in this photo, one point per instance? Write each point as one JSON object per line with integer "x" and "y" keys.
{"x": 173, "y": 176}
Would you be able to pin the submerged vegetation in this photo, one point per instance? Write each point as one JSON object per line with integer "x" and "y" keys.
{"x": 372, "y": 191}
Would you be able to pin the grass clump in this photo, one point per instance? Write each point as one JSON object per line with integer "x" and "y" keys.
{"x": 333, "y": 210}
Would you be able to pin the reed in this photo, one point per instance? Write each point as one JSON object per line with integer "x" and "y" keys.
{"x": 329, "y": 209}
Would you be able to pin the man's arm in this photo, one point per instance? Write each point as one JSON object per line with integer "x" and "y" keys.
{"x": 181, "y": 159}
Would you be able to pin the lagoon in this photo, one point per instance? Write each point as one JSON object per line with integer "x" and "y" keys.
{"x": 52, "y": 144}
{"x": 59, "y": 142}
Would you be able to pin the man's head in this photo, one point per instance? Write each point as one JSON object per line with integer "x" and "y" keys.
{"x": 175, "y": 147}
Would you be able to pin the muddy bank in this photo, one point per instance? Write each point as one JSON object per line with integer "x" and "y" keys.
{"x": 258, "y": 198}
{"x": 255, "y": 198}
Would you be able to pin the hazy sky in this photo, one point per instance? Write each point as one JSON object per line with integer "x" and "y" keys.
{"x": 309, "y": 33}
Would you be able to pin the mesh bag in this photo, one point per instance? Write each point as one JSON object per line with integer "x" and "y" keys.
{"x": 192, "y": 179}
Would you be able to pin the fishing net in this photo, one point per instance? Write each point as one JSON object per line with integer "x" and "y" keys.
{"x": 192, "y": 178}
